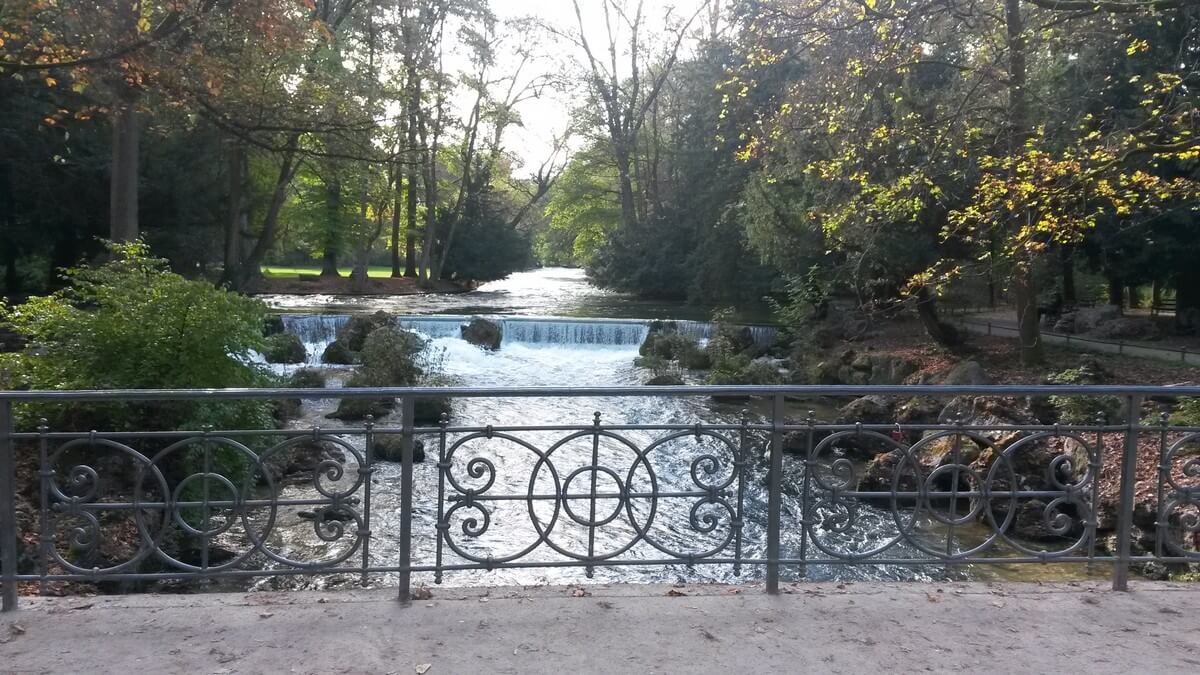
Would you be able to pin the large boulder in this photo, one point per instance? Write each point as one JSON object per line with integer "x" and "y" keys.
{"x": 851, "y": 367}
{"x": 866, "y": 410}
{"x": 390, "y": 448}
{"x": 389, "y": 358}
{"x": 483, "y": 333}
{"x": 353, "y": 334}
{"x": 872, "y": 409}
{"x": 284, "y": 348}
{"x": 965, "y": 373}
{"x": 298, "y": 462}
{"x": 665, "y": 380}
{"x": 358, "y": 408}
{"x": 336, "y": 353}
{"x": 1086, "y": 320}
{"x": 272, "y": 325}
{"x": 666, "y": 345}
{"x": 1127, "y": 328}
{"x": 428, "y": 410}
{"x": 307, "y": 378}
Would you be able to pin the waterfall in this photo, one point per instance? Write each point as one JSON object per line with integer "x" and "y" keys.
{"x": 318, "y": 330}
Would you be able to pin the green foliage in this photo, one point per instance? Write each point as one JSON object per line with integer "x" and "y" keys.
{"x": 1186, "y": 413}
{"x": 284, "y": 348}
{"x": 805, "y": 298}
{"x": 389, "y": 358}
{"x": 1083, "y": 409}
{"x": 740, "y": 369}
{"x": 131, "y": 324}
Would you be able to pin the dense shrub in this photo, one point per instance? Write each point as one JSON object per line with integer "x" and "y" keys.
{"x": 132, "y": 324}
{"x": 390, "y": 358}
{"x": 1084, "y": 409}
{"x": 284, "y": 348}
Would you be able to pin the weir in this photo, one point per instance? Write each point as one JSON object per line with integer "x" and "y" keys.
{"x": 318, "y": 330}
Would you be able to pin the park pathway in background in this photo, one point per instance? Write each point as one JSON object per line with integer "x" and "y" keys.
{"x": 1003, "y": 325}
{"x": 811, "y": 627}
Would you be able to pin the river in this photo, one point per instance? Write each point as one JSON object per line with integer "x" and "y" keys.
{"x": 560, "y": 330}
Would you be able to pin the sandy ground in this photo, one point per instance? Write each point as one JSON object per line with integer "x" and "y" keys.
{"x": 835, "y": 628}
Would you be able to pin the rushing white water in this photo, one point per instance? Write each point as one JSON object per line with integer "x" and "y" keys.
{"x": 569, "y": 352}
{"x": 316, "y": 331}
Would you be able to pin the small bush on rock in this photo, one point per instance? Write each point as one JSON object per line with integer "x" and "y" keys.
{"x": 284, "y": 348}
{"x": 1084, "y": 409}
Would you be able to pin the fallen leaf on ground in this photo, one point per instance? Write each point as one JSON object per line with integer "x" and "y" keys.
{"x": 675, "y": 594}
{"x": 266, "y": 615}
{"x": 423, "y": 668}
{"x": 422, "y": 593}
{"x": 580, "y": 593}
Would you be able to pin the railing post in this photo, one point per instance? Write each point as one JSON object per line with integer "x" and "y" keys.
{"x": 408, "y": 407}
{"x": 775, "y": 497}
{"x": 8, "y": 511}
{"x": 1125, "y": 508}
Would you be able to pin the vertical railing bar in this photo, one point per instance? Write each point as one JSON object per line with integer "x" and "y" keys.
{"x": 408, "y": 412}
{"x": 806, "y": 489}
{"x": 1095, "y": 466}
{"x": 204, "y": 508}
{"x": 955, "y": 460}
{"x": 442, "y": 526}
{"x": 741, "y": 461}
{"x": 775, "y": 497}
{"x": 8, "y": 510}
{"x": 366, "y": 472}
{"x": 44, "y": 475}
{"x": 1164, "y": 474}
{"x": 1125, "y": 508}
{"x": 590, "y": 570}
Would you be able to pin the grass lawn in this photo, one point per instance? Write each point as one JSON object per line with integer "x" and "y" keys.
{"x": 279, "y": 272}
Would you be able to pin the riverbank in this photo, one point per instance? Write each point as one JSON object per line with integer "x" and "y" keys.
{"x": 827, "y": 627}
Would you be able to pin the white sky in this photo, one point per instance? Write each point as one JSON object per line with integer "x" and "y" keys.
{"x": 550, "y": 115}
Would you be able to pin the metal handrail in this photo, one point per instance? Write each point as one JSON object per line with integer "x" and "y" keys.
{"x": 726, "y": 465}
{"x": 526, "y": 392}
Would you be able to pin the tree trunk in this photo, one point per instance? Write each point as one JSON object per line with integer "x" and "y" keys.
{"x": 1132, "y": 292}
{"x": 123, "y": 182}
{"x": 397, "y": 203}
{"x": 333, "y": 227}
{"x": 123, "y": 177}
{"x": 1030, "y": 335}
{"x": 1187, "y": 302}
{"x": 233, "y": 222}
{"x": 244, "y": 273}
{"x": 1116, "y": 290}
{"x": 628, "y": 205}
{"x": 940, "y": 332}
{"x": 1070, "y": 297}
{"x": 1024, "y": 287}
{"x": 410, "y": 237}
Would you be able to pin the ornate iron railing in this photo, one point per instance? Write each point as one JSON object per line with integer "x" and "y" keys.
{"x": 766, "y": 492}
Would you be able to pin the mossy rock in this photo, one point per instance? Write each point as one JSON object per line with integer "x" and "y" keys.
{"x": 353, "y": 334}
{"x": 483, "y": 333}
{"x": 359, "y": 408}
{"x": 272, "y": 325}
{"x": 665, "y": 380}
{"x": 337, "y": 353}
{"x": 390, "y": 448}
{"x": 389, "y": 358}
{"x": 428, "y": 411}
{"x": 284, "y": 348}
{"x": 307, "y": 378}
